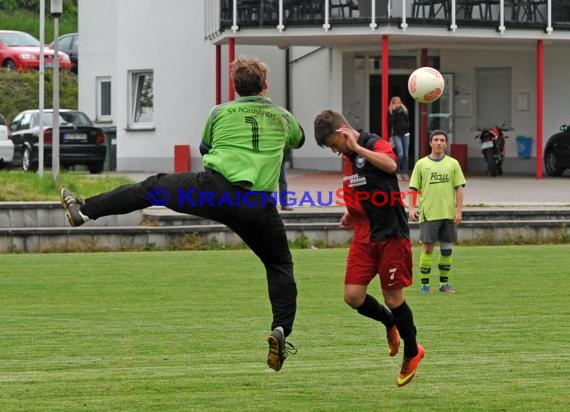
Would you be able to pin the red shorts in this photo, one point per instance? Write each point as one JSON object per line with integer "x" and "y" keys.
{"x": 391, "y": 259}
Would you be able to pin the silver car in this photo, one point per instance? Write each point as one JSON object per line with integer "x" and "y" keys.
{"x": 6, "y": 145}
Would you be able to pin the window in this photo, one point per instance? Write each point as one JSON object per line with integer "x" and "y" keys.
{"x": 64, "y": 43}
{"x": 141, "y": 100}
{"x": 25, "y": 122}
{"x": 104, "y": 113}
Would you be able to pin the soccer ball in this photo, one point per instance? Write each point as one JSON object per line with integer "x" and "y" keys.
{"x": 426, "y": 85}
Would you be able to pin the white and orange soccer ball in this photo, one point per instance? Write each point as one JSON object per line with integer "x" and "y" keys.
{"x": 426, "y": 85}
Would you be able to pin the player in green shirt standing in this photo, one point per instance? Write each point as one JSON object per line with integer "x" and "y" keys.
{"x": 440, "y": 180}
{"x": 242, "y": 144}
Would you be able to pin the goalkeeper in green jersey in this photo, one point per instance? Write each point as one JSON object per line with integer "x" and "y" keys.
{"x": 440, "y": 180}
{"x": 242, "y": 144}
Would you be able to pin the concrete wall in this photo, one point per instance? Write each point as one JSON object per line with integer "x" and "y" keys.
{"x": 556, "y": 88}
{"x": 137, "y": 35}
{"x": 97, "y": 22}
{"x": 316, "y": 86}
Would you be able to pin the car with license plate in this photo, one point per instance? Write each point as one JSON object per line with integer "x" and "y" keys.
{"x": 6, "y": 145}
{"x": 21, "y": 51}
{"x": 557, "y": 152}
{"x": 80, "y": 141}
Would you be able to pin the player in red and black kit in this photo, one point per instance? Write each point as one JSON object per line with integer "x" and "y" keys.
{"x": 381, "y": 241}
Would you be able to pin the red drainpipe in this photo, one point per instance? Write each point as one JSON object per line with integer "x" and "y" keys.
{"x": 218, "y": 74}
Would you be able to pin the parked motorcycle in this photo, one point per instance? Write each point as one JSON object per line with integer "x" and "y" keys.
{"x": 493, "y": 147}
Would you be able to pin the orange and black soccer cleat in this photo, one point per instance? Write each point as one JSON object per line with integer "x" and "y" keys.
{"x": 409, "y": 367}
{"x": 393, "y": 340}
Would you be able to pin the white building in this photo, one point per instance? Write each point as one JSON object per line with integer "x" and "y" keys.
{"x": 147, "y": 70}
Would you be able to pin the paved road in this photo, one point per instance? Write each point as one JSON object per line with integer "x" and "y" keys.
{"x": 480, "y": 190}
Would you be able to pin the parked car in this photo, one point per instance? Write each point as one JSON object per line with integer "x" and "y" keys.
{"x": 6, "y": 145}
{"x": 557, "y": 152}
{"x": 80, "y": 142}
{"x": 69, "y": 44}
{"x": 20, "y": 51}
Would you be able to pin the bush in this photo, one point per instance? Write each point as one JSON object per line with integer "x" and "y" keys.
{"x": 8, "y": 5}
{"x": 20, "y": 91}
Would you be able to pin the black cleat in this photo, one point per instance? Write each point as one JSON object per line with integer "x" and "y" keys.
{"x": 279, "y": 349}
{"x": 72, "y": 207}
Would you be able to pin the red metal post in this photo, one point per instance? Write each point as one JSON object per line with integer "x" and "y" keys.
{"x": 218, "y": 74}
{"x": 385, "y": 71}
{"x": 423, "y": 113}
{"x": 539, "y": 105}
{"x": 232, "y": 56}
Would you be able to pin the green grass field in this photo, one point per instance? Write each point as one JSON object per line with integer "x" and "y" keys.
{"x": 187, "y": 331}
{"x": 24, "y": 186}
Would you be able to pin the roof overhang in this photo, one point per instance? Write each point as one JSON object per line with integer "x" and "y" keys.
{"x": 412, "y": 37}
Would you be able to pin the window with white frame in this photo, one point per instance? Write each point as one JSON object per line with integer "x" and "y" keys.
{"x": 141, "y": 99}
{"x": 104, "y": 113}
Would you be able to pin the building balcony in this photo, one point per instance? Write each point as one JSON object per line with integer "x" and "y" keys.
{"x": 538, "y": 16}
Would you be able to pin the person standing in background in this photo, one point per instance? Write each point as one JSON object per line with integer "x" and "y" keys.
{"x": 399, "y": 124}
{"x": 440, "y": 181}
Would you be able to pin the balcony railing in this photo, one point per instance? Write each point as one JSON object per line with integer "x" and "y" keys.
{"x": 544, "y": 15}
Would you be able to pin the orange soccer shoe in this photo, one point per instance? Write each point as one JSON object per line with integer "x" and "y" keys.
{"x": 393, "y": 340}
{"x": 409, "y": 367}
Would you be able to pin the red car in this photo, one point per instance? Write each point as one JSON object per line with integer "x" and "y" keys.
{"x": 20, "y": 51}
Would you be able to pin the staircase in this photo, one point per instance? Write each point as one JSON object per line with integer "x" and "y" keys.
{"x": 42, "y": 227}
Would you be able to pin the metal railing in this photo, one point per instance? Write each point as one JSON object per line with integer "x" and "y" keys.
{"x": 500, "y": 15}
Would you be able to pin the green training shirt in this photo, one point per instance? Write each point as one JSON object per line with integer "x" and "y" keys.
{"x": 437, "y": 180}
{"x": 247, "y": 137}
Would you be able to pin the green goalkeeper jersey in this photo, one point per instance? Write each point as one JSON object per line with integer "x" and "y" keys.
{"x": 437, "y": 180}
{"x": 246, "y": 139}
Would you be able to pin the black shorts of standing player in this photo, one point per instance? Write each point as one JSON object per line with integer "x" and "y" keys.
{"x": 433, "y": 231}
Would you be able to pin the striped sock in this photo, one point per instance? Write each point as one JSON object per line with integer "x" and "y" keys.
{"x": 444, "y": 266}
{"x": 425, "y": 267}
